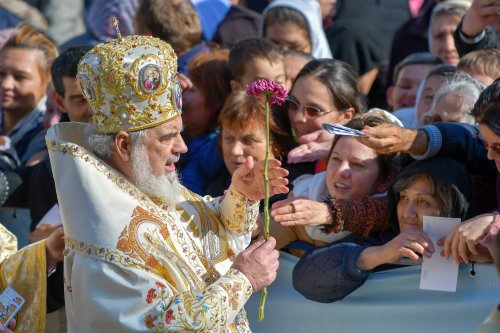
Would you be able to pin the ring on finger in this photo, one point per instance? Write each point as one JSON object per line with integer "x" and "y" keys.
{"x": 293, "y": 207}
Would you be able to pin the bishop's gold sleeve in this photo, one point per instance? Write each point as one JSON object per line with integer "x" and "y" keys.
{"x": 8, "y": 243}
{"x": 236, "y": 212}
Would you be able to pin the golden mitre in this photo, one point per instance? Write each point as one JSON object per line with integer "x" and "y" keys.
{"x": 131, "y": 83}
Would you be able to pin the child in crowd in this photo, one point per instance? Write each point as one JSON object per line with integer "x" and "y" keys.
{"x": 255, "y": 58}
{"x": 174, "y": 21}
{"x": 482, "y": 65}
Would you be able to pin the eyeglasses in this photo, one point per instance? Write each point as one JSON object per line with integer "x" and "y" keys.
{"x": 495, "y": 147}
{"x": 309, "y": 111}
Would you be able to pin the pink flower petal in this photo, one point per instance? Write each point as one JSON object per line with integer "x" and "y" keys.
{"x": 276, "y": 92}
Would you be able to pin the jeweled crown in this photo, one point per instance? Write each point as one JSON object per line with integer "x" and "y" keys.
{"x": 131, "y": 83}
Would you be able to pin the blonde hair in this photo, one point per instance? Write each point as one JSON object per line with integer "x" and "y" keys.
{"x": 486, "y": 62}
{"x": 26, "y": 37}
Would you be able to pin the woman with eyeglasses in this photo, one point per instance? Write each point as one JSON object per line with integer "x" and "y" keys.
{"x": 324, "y": 91}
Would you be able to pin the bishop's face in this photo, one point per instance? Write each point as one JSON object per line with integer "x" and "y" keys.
{"x": 163, "y": 145}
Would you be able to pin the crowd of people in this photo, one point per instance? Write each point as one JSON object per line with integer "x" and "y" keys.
{"x": 127, "y": 136}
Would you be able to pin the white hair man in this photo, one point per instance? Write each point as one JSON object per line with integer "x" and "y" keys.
{"x": 143, "y": 252}
{"x": 454, "y": 100}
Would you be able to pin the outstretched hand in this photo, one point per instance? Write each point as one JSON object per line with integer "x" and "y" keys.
{"x": 42, "y": 232}
{"x": 301, "y": 211}
{"x": 55, "y": 247}
{"x": 481, "y": 14}
{"x": 389, "y": 138}
{"x": 314, "y": 146}
{"x": 411, "y": 244}
{"x": 248, "y": 179}
{"x": 462, "y": 243}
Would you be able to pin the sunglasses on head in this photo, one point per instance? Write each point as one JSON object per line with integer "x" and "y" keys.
{"x": 309, "y": 111}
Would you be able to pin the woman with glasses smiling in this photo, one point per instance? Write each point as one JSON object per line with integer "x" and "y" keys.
{"x": 324, "y": 91}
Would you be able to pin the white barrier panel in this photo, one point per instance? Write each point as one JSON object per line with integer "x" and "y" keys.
{"x": 389, "y": 301}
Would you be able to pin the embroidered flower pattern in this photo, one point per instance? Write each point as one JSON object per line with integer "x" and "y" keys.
{"x": 151, "y": 295}
{"x": 206, "y": 311}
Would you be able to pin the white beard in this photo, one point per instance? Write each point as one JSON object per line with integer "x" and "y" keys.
{"x": 165, "y": 187}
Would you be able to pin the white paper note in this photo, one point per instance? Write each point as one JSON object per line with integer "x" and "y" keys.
{"x": 437, "y": 272}
{"x": 338, "y": 129}
{"x": 53, "y": 216}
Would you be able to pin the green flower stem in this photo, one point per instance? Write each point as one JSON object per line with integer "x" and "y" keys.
{"x": 266, "y": 176}
{"x": 266, "y": 204}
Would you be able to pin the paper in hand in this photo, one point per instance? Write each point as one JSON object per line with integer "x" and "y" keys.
{"x": 10, "y": 303}
{"x": 53, "y": 216}
{"x": 342, "y": 130}
{"x": 439, "y": 273}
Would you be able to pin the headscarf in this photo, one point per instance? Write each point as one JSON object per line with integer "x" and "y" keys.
{"x": 311, "y": 11}
{"x": 445, "y": 170}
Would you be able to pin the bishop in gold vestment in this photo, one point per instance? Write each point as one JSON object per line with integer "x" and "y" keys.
{"x": 135, "y": 262}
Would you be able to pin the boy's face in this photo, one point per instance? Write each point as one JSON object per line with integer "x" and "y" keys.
{"x": 404, "y": 92}
{"x": 261, "y": 68}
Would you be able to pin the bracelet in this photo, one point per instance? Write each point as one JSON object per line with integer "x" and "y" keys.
{"x": 337, "y": 224}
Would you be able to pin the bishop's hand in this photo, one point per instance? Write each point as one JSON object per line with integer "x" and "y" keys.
{"x": 248, "y": 179}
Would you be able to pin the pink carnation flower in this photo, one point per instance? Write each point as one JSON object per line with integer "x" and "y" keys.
{"x": 274, "y": 91}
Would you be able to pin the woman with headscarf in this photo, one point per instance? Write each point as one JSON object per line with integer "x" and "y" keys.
{"x": 435, "y": 187}
{"x": 296, "y": 25}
